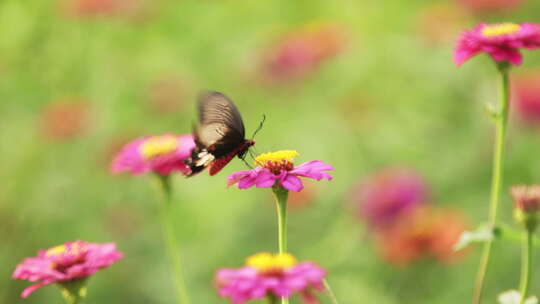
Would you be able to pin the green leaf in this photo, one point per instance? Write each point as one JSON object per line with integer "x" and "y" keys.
{"x": 491, "y": 111}
{"x": 480, "y": 235}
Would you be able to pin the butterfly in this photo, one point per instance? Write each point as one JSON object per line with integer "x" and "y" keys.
{"x": 219, "y": 136}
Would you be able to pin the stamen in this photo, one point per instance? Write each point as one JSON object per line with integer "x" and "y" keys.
{"x": 276, "y": 157}
{"x": 500, "y": 29}
{"x": 158, "y": 145}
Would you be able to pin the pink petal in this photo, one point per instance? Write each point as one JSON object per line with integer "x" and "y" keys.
{"x": 265, "y": 179}
{"x": 28, "y": 290}
{"x": 248, "y": 180}
{"x": 292, "y": 183}
{"x": 512, "y": 56}
{"x": 235, "y": 177}
{"x": 313, "y": 169}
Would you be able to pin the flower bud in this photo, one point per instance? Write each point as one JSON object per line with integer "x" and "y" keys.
{"x": 526, "y": 205}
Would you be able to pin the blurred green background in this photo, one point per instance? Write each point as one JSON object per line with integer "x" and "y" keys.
{"x": 79, "y": 78}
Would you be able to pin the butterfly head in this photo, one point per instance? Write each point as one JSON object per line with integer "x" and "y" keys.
{"x": 245, "y": 148}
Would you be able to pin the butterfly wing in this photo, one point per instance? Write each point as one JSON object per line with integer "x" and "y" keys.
{"x": 219, "y": 136}
{"x": 220, "y": 129}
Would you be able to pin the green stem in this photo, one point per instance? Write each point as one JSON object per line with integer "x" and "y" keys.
{"x": 526, "y": 266}
{"x": 170, "y": 240}
{"x": 272, "y": 299}
{"x": 501, "y": 123}
{"x": 281, "y": 196}
{"x": 330, "y": 292}
{"x": 73, "y": 292}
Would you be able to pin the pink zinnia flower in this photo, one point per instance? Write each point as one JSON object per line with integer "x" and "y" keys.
{"x": 267, "y": 275}
{"x": 389, "y": 194}
{"x": 161, "y": 154}
{"x": 501, "y": 41}
{"x": 277, "y": 167}
{"x": 64, "y": 263}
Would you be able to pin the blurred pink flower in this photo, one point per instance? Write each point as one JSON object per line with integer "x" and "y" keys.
{"x": 267, "y": 275}
{"x": 71, "y": 261}
{"x": 501, "y": 41}
{"x": 278, "y": 167}
{"x": 161, "y": 154}
{"x": 526, "y": 198}
{"x": 487, "y": 6}
{"x": 64, "y": 119}
{"x": 93, "y": 8}
{"x": 427, "y": 232}
{"x": 389, "y": 194}
{"x": 527, "y": 97}
{"x": 300, "y": 51}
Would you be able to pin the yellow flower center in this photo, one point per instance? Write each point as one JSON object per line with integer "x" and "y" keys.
{"x": 501, "y": 29}
{"x": 277, "y": 161}
{"x": 75, "y": 248}
{"x": 158, "y": 145}
{"x": 267, "y": 262}
{"x": 56, "y": 250}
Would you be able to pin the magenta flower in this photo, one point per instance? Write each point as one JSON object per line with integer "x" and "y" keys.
{"x": 277, "y": 167}
{"x": 161, "y": 154}
{"x": 388, "y": 195}
{"x": 501, "y": 41}
{"x": 68, "y": 262}
{"x": 273, "y": 276}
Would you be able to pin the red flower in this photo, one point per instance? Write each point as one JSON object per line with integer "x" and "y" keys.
{"x": 527, "y": 97}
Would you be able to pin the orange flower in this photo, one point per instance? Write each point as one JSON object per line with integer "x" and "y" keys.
{"x": 440, "y": 23}
{"x": 487, "y": 6}
{"x": 427, "y": 232}
{"x": 64, "y": 120}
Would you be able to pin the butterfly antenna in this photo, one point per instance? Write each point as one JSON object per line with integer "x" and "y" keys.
{"x": 260, "y": 126}
{"x": 245, "y": 162}
{"x": 251, "y": 154}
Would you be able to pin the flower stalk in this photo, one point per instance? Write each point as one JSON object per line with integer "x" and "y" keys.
{"x": 171, "y": 242}
{"x": 281, "y": 195}
{"x": 526, "y": 265}
{"x": 501, "y": 123}
{"x": 74, "y": 292}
